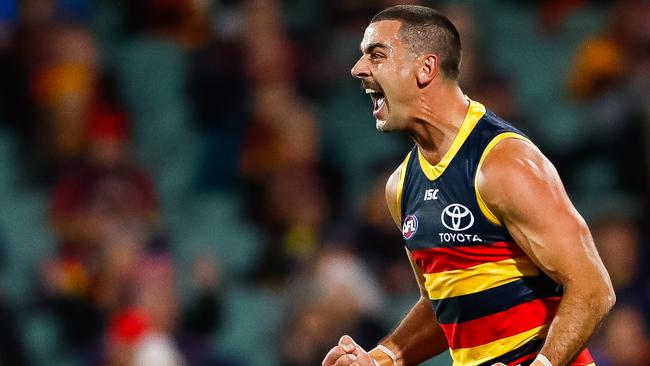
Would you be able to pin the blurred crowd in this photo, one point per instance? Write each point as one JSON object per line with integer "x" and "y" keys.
{"x": 123, "y": 113}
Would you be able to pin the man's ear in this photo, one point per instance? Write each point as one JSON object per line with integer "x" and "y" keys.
{"x": 428, "y": 69}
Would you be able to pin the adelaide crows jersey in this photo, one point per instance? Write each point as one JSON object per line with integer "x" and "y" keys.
{"x": 492, "y": 302}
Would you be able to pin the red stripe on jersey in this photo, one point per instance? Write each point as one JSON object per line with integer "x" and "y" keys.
{"x": 504, "y": 324}
{"x": 523, "y": 359}
{"x": 434, "y": 260}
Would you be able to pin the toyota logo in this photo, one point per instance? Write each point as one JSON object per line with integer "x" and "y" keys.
{"x": 457, "y": 217}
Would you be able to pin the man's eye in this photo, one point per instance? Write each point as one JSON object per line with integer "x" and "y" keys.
{"x": 376, "y": 55}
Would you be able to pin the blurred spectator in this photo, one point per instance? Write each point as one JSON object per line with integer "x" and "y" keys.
{"x": 63, "y": 89}
{"x": 294, "y": 210}
{"x": 282, "y": 135}
{"x": 131, "y": 292}
{"x": 610, "y": 76}
{"x": 83, "y": 291}
{"x": 379, "y": 241}
{"x": 54, "y": 74}
{"x": 124, "y": 331}
{"x": 618, "y": 242}
{"x": 471, "y": 68}
{"x": 220, "y": 94}
{"x": 106, "y": 189}
{"x": 153, "y": 329}
{"x": 157, "y": 349}
{"x": 104, "y": 214}
{"x": 603, "y": 62}
{"x": 624, "y": 339}
{"x": 140, "y": 317}
{"x": 553, "y": 13}
{"x": 335, "y": 295}
{"x": 623, "y": 249}
{"x": 598, "y": 65}
{"x": 496, "y": 91}
{"x": 280, "y": 150}
{"x": 182, "y": 21}
{"x": 144, "y": 331}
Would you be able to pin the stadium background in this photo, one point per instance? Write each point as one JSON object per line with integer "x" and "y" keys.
{"x": 202, "y": 180}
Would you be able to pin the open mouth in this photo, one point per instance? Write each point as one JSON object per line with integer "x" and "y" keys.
{"x": 378, "y": 100}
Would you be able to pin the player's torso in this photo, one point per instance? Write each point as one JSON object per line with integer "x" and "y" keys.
{"x": 491, "y": 300}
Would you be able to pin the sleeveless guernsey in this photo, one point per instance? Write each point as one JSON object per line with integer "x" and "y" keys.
{"x": 492, "y": 302}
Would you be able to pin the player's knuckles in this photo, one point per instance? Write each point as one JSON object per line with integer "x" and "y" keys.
{"x": 359, "y": 351}
{"x": 346, "y": 360}
{"x": 363, "y": 362}
{"x": 365, "y": 358}
{"x": 333, "y": 355}
{"x": 360, "y": 363}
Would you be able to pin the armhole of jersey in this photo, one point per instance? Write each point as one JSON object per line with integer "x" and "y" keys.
{"x": 400, "y": 187}
{"x": 481, "y": 204}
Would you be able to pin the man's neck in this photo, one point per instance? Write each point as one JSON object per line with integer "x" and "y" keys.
{"x": 438, "y": 120}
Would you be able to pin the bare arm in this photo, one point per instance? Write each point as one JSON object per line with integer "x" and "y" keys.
{"x": 522, "y": 188}
{"x": 418, "y": 337}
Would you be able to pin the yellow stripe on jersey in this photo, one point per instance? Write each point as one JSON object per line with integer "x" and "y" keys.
{"x": 483, "y": 353}
{"x": 484, "y": 276}
{"x": 481, "y": 204}
{"x": 400, "y": 186}
{"x": 474, "y": 114}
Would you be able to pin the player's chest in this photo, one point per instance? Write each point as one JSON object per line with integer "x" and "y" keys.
{"x": 444, "y": 215}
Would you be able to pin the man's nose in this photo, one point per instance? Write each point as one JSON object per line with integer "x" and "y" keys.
{"x": 360, "y": 69}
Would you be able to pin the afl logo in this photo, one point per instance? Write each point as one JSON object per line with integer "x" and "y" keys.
{"x": 457, "y": 217}
{"x": 410, "y": 226}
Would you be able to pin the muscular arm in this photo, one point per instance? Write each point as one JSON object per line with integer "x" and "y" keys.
{"x": 418, "y": 336}
{"x": 522, "y": 188}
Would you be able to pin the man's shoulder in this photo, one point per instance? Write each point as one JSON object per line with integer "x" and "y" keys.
{"x": 396, "y": 178}
{"x": 394, "y": 186}
{"x": 511, "y": 165}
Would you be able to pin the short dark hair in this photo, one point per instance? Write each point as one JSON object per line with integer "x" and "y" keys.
{"x": 427, "y": 30}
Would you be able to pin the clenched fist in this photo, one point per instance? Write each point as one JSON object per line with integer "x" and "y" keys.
{"x": 347, "y": 353}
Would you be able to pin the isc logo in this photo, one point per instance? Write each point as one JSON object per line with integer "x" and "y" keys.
{"x": 431, "y": 194}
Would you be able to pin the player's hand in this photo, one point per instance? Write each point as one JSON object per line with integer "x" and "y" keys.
{"x": 347, "y": 353}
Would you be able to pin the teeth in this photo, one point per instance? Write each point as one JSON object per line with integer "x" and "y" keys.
{"x": 370, "y": 91}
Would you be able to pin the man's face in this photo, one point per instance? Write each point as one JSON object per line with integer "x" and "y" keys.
{"x": 386, "y": 70}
